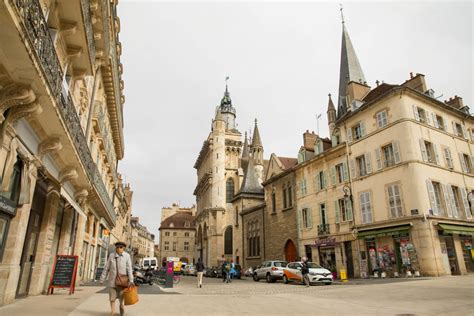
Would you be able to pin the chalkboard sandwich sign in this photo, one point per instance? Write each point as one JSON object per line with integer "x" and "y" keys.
{"x": 64, "y": 273}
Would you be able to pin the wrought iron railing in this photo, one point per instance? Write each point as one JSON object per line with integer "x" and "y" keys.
{"x": 37, "y": 31}
{"x": 86, "y": 14}
{"x": 323, "y": 229}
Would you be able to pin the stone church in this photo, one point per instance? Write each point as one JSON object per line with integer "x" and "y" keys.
{"x": 229, "y": 173}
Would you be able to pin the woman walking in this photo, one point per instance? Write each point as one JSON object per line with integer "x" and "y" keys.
{"x": 118, "y": 275}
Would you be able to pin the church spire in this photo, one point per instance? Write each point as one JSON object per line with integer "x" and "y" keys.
{"x": 256, "y": 141}
{"x": 245, "y": 150}
{"x": 257, "y": 147}
{"x": 350, "y": 69}
{"x": 226, "y": 111}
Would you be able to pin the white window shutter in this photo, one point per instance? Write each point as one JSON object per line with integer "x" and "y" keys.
{"x": 349, "y": 135}
{"x": 465, "y": 203}
{"x": 464, "y": 132}
{"x": 368, "y": 163}
{"x": 435, "y": 121}
{"x": 333, "y": 175}
{"x": 352, "y": 167}
{"x": 447, "y": 200}
{"x": 318, "y": 182}
{"x": 362, "y": 128}
{"x": 362, "y": 209}
{"x": 435, "y": 150}
{"x": 415, "y": 113}
{"x": 428, "y": 118}
{"x": 336, "y": 210}
{"x": 310, "y": 218}
{"x": 345, "y": 172}
{"x": 445, "y": 123}
{"x": 447, "y": 157}
{"x": 396, "y": 151}
{"x": 431, "y": 195}
{"x": 453, "y": 211}
{"x": 424, "y": 154}
{"x": 378, "y": 156}
{"x": 454, "y": 128}
{"x": 325, "y": 179}
{"x": 349, "y": 210}
{"x": 463, "y": 163}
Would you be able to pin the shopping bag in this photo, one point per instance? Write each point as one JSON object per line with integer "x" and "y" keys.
{"x": 130, "y": 295}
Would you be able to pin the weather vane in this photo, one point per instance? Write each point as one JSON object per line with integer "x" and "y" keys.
{"x": 342, "y": 14}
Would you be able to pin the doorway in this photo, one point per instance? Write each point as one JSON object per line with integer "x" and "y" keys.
{"x": 31, "y": 238}
{"x": 349, "y": 260}
{"x": 290, "y": 251}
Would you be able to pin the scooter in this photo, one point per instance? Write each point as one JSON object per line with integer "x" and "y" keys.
{"x": 141, "y": 278}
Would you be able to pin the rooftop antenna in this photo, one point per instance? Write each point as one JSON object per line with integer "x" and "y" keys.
{"x": 318, "y": 116}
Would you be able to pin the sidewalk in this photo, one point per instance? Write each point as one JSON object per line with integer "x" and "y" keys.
{"x": 60, "y": 303}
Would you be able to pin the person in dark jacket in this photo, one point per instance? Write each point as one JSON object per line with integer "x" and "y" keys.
{"x": 200, "y": 272}
{"x": 305, "y": 271}
{"x": 224, "y": 271}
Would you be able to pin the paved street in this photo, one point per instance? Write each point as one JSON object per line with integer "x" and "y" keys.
{"x": 436, "y": 296}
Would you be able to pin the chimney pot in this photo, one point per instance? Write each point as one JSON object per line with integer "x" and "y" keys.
{"x": 411, "y": 75}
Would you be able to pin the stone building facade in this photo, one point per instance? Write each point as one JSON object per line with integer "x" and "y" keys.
{"x": 178, "y": 235}
{"x": 143, "y": 242}
{"x": 61, "y": 136}
{"x": 221, "y": 167}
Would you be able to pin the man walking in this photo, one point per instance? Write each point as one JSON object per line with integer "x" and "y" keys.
{"x": 305, "y": 271}
{"x": 200, "y": 272}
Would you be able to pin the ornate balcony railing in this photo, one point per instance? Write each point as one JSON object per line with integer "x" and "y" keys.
{"x": 107, "y": 135}
{"x": 35, "y": 27}
{"x": 323, "y": 229}
{"x": 86, "y": 14}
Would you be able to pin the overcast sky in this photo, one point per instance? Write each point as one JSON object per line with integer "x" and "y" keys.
{"x": 282, "y": 59}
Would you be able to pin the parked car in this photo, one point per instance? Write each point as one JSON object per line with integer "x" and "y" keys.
{"x": 317, "y": 274}
{"x": 270, "y": 270}
{"x": 190, "y": 269}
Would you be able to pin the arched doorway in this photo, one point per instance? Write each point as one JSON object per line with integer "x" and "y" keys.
{"x": 290, "y": 251}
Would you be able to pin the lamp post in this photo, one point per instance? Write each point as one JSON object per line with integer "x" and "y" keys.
{"x": 347, "y": 193}
{"x": 469, "y": 198}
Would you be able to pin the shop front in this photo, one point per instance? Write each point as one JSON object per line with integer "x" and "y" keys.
{"x": 456, "y": 248}
{"x": 388, "y": 252}
{"x": 326, "y": 248}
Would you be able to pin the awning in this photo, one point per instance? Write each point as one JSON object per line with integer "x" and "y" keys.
{"x": 388, "y": 231}
{"x": 457, "y": 229}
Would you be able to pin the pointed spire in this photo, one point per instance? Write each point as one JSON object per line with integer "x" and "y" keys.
{"x": 226, "y": 100}
{"x": 350, "y": 69}
{"x": 256, "y": 141}
{"x": 251, "y": 183}
{"x": 245, "y": 150}
{"x": 330, "y": 104}
{"x": 331, "y": 112}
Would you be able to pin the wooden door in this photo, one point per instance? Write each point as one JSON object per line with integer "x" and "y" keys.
{"x": 290, "y": 251}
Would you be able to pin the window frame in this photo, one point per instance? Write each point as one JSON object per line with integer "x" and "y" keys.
{"x": 380, "y": 120}
{"x": 398, "y": 206}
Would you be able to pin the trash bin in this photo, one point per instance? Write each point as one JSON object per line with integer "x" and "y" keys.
{"x": 343, "y": 275}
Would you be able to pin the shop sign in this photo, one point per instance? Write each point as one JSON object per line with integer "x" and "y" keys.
{"x": 7, "y": 205}
{"x": 326, "y": 242}
{"x": 467, "y": 244}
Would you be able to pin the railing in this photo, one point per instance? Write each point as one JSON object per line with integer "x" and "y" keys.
{"x": 86, "y": 14}
{"x": 104, "y": 130}
{"x": 323, "y": 229}
{"x": 37, "y": 31}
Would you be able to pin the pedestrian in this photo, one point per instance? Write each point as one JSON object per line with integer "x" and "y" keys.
{"x": 118, "y": 264}
{"x": 224, "y": 271}
{"x": 232, "y": 269}
{"x": 200, "y": 272}
{"x": 305, "y": 271}
{"x": 228, "y": 272}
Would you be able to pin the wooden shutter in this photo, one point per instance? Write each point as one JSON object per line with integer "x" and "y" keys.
{"x": 345, "y": 172}
{"x": 450, "y": 207}
{"x": 378, "y": 156}
{"x": 333, "y": 175}
{"x": 362, "y": 129}
{"x": 431, "y": 195}
{"x": 336, "y": 210}
{"x": 428, "y": 118}
{"x": 467, "y": 209}
{"x": 325, "y": 179}
{"x": 435, "y": 151}
{"x": 424, "y": 154}
{"x": 454, "y": 128}
{"x": 396, "y": 151}
{"x": 368, "y": 163}
{"x": 445, "y": 123}
{"x": 352, "y": 167}
{"x": 349, "y": 135}
{"x": 349, "y": 209}
{"x": 464, "y": 132}
{"x": 318, "y": 181}
{"x": 415, "y": 113}
{"x": 447, "y": 157}
{"x": 309, "y": 215}
{"x": 435, "y": 121}
{"x": 463, "y": 163}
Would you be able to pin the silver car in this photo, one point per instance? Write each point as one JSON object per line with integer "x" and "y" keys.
{"x": 271, "y": 271}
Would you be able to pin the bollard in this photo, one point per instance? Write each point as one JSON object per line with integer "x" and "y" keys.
{"x": 343, "y": 274}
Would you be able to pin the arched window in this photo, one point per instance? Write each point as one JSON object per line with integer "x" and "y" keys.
{"x": 228, "y": 241}
{"x": 229, "y": 190}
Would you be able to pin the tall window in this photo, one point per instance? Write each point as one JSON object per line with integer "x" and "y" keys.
{"x": 321, "y": 180}
{"x": 448, "y": 158}
{"x": 458, "y": 130}
{"x": 253, "y": 239}
{"x": 228, "y": 246}
{"x": 362, "y": 170}
{"x": 174, "y": 245}
{"x": 186, "y": 246}
{"x": 465, "y": 163}
{"x": 420, "y": 114}
{"x": 359, "y": 131}
{"x": 273, "y": 202}
{"x": 167, "y": 245}
{"x": 388, "y": 155}
{"x": 439, "y": 122}
{"x": 365, "y": 207}
{"x": 340, "y": 173}
{"x": 303, "y": 187}
{"x": 428, "y": 151}
{"x": 381, "y": 118}
{"x": 236, "y": 216}
{"x": 167, "y": 234}
{"x": 306, "y": 219}
{"x": 322, "y": 213}
{"x": 456, "y": 201}
{"x": 343, "y": 210}
{"x": 284, "y": 197}
{"x": 186, "y": 234}
{"x": 394, "y": 200}
{"x": 289, "y": 191}
{"x": 229, "y": 190}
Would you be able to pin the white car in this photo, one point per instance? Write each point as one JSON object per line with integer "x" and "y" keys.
{"x": 317, "y": 274}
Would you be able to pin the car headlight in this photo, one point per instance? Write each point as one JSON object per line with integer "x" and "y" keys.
{"x": 313, "y": 273}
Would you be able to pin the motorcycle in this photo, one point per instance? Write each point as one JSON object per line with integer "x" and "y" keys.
{"x": 142, "y": 278}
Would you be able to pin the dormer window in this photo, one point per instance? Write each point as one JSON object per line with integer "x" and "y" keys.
{"x": 318, "y": 148}
{"x": 171, "y": 225}
{"x": 336, "y": 138}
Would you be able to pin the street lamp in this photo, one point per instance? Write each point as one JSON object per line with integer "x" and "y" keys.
{"x": 469, "y": 197}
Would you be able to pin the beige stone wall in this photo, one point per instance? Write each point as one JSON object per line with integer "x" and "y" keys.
{"x": 179, "y": 239}
{"x": 253, "y": 217}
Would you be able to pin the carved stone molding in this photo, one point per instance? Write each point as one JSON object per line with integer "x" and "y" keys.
{"x": 12, "y": 95}
{"x": 73, "y": 52}
{"x": 68, "y": 27}
{"x": 81, "y": 196}
{"x": 67, "y": 174}
{"x": 49, "y": 145}
{"x": 24, "y": 111}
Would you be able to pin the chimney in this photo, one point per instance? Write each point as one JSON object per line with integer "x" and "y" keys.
{"x": 417, "y": 82}
{"x": 455, "y": 102}
{"x": 309, "y": 139}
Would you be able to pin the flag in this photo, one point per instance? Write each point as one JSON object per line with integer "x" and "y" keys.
{"x": 318, "y": 116}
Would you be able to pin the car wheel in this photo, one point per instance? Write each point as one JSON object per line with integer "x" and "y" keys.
{"x": 269, "y": 278}
{"x": 328, "y": 283}
{"x": 255, "y": 277}
{"x": 285, "y": 279}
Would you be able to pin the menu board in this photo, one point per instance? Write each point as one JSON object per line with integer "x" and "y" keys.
{"x": 64, "y": 273}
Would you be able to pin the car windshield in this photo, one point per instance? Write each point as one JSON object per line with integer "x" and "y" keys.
{"x": 281, "y": 264}
{"x": 313, "y": 265}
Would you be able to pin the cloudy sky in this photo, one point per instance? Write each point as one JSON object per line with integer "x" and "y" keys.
{"x": 282, "y": 59}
